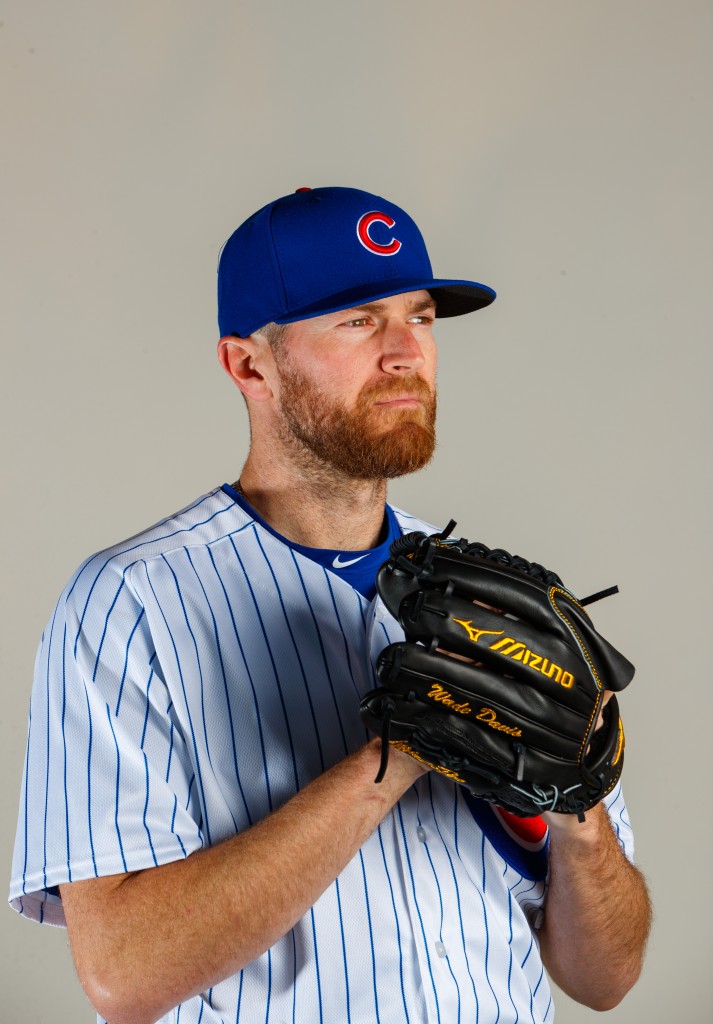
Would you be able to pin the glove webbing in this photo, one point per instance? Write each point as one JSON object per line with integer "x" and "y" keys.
{"x": 498, "y": 555}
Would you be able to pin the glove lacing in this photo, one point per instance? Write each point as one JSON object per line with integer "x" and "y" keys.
{"x": 388, "y": 707}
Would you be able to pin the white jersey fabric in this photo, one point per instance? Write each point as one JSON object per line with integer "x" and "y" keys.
{"x": 191, "y": 680}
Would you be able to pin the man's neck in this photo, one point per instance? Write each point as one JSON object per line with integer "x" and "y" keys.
{"x": 318, "y": 510}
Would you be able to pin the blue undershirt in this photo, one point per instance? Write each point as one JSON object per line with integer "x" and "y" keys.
{"x": 357, "y": 568}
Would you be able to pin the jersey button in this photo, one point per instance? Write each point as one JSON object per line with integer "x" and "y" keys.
{"x": 421, "y": 833}
{"x": 441, "y": 950}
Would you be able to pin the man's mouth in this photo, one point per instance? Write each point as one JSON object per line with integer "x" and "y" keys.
{"x": 398, "y": 401}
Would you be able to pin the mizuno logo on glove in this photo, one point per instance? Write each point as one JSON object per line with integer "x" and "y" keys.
{"x": 475, "y": 634}
{"x": 515, "y": 649}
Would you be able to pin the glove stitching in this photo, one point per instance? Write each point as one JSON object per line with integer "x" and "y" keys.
{"x": 595, "y": 710}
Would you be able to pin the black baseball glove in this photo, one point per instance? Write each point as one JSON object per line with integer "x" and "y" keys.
{"x": 501, "y": 682}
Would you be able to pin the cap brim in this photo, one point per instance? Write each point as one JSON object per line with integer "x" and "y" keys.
{"x": 453, "y": 298}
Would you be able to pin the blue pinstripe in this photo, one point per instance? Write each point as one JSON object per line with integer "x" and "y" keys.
{"x": 173, "y": 822}
{"x": 106, "y": 626}
{"x": 531, "y": 1006}
{"x": 297, "y": 653}
{"x": 170, "y": 751}
{"x": 486, "y": 930}
{"x": 418, "y": 910}
{"x": 25, "y": 803}
{"x": 529, "y": 950}
{"x": 47, "y": 749}
{"x": 345, "y": 961}
{"x": 324, "y": 656}
{"x": 254, "y": 696}
{"x": 89, "y": 782}
{"x": 294, "y": 978}
{"x": 148, "y": 705}
{"x": 64, "y": 751}
{"x": 371, "y": 936}
{"x": 185, "y": 697}
{"x": 539, "y": 982}
{"x": 126, "y": 659}
{"x": 274, "y": 667}
{"x": 118, "y": 789}
{"x": 146, "y": 805}
{"x": 240, "y": 997}
{"x": 225, "y": 688}
{"x": 347, "y": 655}
{"x": 398, "y": 929}
{"x": 190, "y": 787}
{"x": 517, "y": 1015}
{"x": 531, "y": 888}
{"x": 316, "y": 964}
{"x": 269, "y": 986}
{"x": 198, "y": 663}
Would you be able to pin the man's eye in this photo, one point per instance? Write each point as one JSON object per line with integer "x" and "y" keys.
{"x": 360, "y": 322}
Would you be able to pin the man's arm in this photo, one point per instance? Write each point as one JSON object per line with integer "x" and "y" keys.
{"x": 146, "y": 941}
{"x": 597, "y": 913}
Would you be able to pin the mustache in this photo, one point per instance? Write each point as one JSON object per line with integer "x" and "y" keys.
{"x": 413, "y": 385}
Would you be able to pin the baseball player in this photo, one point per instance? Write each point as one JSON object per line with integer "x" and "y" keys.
{"x": 198, "y": 804}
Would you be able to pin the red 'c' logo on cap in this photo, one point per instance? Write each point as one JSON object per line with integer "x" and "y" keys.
{"x": 368, "y": 242}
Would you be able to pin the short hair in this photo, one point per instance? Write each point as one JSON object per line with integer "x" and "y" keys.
{"x": 275, "y": 335}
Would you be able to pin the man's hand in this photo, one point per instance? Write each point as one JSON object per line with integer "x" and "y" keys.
{"x": 597, "y": 911}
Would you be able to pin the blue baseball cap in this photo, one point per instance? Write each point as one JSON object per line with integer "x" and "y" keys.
{"x": 320, "y": 250}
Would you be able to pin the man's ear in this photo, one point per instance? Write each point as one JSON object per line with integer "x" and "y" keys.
{"x": 246, "y": 360}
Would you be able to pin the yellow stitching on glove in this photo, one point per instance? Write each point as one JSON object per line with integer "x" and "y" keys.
{"x": 595, "y": 710}
{"x": 403, "y": 746}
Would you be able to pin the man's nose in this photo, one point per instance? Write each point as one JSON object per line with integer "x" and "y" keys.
{"x": 402, "y": 352}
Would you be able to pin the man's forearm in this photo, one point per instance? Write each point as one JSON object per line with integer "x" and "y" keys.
{"x": 597, "y": 912}
{"x": 145, "y": 942}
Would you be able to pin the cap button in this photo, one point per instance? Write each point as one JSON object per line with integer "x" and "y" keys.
{"x": 302, "y": 190}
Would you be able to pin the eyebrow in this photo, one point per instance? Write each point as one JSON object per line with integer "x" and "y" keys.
{"x": 415, "y": 307}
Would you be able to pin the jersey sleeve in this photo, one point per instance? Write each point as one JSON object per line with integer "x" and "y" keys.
{"x": 619, "y": 817}
{"x": 108, "y": 783}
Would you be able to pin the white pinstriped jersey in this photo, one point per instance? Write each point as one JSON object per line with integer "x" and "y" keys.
{"x": 196, "y": 676}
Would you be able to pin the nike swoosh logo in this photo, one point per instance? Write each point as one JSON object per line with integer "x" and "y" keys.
{"x": 339, "y": 564}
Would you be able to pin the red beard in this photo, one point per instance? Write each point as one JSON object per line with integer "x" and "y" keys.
{"x": 369, "y": 441}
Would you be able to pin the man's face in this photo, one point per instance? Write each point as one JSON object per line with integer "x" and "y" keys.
{"x": 357, "y": 387}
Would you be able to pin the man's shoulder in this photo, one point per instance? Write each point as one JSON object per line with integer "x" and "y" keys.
{"x": 209, "y": 518}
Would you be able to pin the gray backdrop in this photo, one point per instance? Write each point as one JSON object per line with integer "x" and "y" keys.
{"x": 559, "y": 150}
